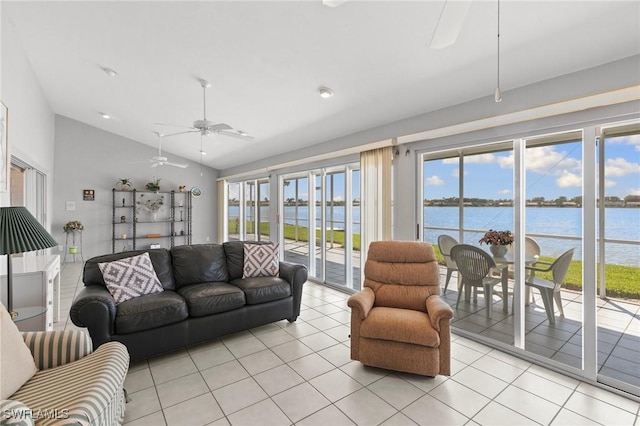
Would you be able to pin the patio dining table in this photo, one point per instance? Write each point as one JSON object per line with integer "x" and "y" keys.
{"x": 506, "y": 260}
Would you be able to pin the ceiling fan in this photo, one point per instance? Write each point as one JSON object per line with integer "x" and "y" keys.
{"x": 448, "y": 26}
{"x": 160, "y": 160}
{"x": 206, "y": 127}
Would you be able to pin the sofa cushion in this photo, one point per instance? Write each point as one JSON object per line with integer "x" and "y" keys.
{"x": 400, "y": 325}
{"x": 212, "y": 298}
{"x": 199, "y": 263}
{"x": 150, "y": 311}
{"x": 160, "y": 258}
{"x": 263, "y": 289}
{"x": 130, "y": 277}
{"x": 18, "y": 365}
{"x": 234, "y": 251}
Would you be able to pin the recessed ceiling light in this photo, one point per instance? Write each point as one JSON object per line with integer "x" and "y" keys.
{"x": 202, "y": 152}
{"x": 109, "y": 71}
{"x": 104, "y": 115}
{"x": 325, "y": 92}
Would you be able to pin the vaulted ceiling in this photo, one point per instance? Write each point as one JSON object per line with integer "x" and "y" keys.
{"x": 266, "y": 60}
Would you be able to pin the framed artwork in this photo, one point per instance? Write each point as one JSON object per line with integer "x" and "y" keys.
{"x": 88, "y": 195}
{"x": 196, "y": 191}
{"x": 5, "y": 161}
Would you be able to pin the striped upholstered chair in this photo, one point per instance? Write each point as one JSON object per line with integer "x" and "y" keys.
{"x": 73, "y": 385}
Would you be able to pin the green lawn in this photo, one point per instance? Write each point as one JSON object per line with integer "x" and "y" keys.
{"x": 303, "y": 233}
{"x": 622, "y": 281}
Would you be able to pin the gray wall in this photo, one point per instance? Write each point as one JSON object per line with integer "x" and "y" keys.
{"x": 90, "y": 158}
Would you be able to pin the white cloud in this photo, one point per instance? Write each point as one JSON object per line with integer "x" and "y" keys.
{"x": 569, "y": 179}
{"x": 434, "y": 181}
{"x": 505, "y": 192}
{"x": 634, "y": 191}
{"x": 546, "y": 160}
{"x": 609, "y": 183}
{"x": 616, "y": 167}
{"x": 338, "y": 198}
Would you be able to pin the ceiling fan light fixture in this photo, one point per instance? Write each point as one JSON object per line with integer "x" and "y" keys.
{"x": 202, "y": 152}
{"x": 109, "y": 71}
{"x": 325, "y": 92}
{"x": 104, "y": 115}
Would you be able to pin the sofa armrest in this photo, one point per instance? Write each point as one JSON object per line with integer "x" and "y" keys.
{"x": 438, "y": 310}
{"x": 362, "y": 302}
{"x": 15, "y": 413}
{"x": 296, "y": 275}
{"x": 95, "y": 309}
{"x": 53, "y": 348}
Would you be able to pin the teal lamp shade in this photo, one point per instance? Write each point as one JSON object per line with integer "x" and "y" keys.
{"x": 20, "y": 232}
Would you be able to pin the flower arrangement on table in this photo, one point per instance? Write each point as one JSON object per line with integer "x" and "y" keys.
{"x": 73, "y": 226}
{"x": 497, "y": 241}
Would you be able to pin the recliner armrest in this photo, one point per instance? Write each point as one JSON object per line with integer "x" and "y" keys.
{"x": 438, "y": 310}
{"x": 362, "y": 301}
{"x": 54, "y": 348}
{"x": 95, "y": 308}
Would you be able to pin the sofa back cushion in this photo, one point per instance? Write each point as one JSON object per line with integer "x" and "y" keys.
{"x": 160, "y": 258}
{"x": 199, "y": 263}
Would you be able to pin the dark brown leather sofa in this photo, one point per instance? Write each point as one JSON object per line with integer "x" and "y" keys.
{"x": 204, "y": 297}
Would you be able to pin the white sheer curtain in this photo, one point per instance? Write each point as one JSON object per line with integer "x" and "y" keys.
{"x": 375, "y": 197}
{"x": 222, "y": 211}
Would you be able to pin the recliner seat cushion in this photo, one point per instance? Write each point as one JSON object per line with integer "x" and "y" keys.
{"x": 212, "y": 298}
{"x": 400, "y": 325}
{"x": 150, "y": 311}
{"x": 263, "y": 289}
{"x": 199, "y": 263}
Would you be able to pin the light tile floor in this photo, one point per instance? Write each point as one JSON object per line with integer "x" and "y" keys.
{"x": 301, "y": 373}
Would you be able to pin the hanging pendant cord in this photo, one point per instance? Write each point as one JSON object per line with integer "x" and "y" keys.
{"x": 498, "y": 94}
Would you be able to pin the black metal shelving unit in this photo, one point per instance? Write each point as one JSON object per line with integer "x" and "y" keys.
{"x": 126, "y": 220}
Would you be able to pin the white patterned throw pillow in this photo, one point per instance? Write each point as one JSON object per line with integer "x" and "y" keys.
{"x": 130, "y": 277}
{"x": 260, "y": 260}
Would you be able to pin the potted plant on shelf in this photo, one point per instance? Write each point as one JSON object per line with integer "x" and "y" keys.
{"x": 497, "y": 241}
{"x": 124, "y": 184}
{"x": 153, "y": 186}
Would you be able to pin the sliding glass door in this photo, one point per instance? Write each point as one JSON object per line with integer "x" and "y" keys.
{"x": 320, "y": 222}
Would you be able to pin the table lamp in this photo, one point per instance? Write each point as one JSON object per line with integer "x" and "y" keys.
{"x": 20, "y": 232}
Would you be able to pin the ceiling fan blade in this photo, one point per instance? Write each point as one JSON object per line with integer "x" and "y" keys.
{"x": 181, "y": 133}
{"x": 236, "y": 134}
{"x": 450, "y": 23}
{"x": 173, "y": 125}
{"x": 333, "y": 3}
{"x": 182, "y": 166}
{"x": 220, "y": 126}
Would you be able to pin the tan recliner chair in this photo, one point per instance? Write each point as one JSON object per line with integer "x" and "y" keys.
{"x": 398, "y": 321}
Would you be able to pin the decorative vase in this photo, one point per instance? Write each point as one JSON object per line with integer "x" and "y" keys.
{"x": 73, "y": 249}
{"x": 498, "y": 251}
{"x": 153, "y": 216}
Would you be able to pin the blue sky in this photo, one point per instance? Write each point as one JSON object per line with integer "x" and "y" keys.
{"x": 552, "y": 171}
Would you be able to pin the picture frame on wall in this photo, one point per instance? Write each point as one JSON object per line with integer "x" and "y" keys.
{"x": 5, "y": 161}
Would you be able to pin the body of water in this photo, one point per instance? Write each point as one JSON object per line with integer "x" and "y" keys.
{"x": 621, "y": 224}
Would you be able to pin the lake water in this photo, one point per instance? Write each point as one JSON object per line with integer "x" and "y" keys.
{"x": 621, "y": 224}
